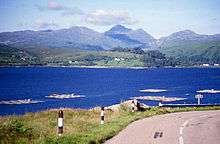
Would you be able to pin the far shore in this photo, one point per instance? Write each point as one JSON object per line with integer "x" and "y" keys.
{"x": 105, "y": 67}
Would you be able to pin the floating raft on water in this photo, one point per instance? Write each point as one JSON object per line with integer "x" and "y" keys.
{"x": 64, "y": 96}
{"x": 153, "y": 90}
{"x": 25, "y": 101}
{"x": 208, "y": 91}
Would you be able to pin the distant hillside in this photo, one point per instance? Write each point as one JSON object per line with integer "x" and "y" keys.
{"x": 14, "y": 56}
{"x": 138, "y": 37}
{"x": 204, "y": 48}
{"x": 118, "y": 57}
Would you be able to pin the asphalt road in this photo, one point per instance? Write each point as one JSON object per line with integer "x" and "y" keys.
{"x": 199, "y": 127}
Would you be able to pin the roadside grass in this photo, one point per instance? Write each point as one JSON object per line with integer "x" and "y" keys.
{"x": 80, "y": 126}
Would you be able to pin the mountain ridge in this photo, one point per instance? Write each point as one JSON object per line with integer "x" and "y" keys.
{"x": 179, "y": 44}
{"x": 72, "y": 38}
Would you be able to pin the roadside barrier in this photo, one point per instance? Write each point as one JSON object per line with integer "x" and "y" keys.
{"x": 102, "y": 115}
{"x": 60, "y": 123}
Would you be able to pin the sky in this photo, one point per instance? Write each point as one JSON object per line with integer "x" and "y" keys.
{"x": 157, "y": 17}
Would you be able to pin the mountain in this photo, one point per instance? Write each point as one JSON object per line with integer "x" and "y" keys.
{"x": 138, "y": 38}
{"x": 79, "y": 38}
{"x": 118, "y": 29}
{"x": 182, "y": 44}
{"x": 182, "y": 36}
{"x": 190, "y": 44}
{"x": 74, "y": 37}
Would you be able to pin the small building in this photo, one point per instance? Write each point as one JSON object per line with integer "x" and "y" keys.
{"x": 205, "y": 65}
{"x": 117, "y": 59}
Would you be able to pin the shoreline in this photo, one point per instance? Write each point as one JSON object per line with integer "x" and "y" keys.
{"x": 112, "y": 107}
{"x": 103, "y": 67}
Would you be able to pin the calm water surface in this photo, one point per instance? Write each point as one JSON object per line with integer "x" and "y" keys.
{"x": 101, "y": 87}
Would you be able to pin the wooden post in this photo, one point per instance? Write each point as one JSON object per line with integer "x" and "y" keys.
{"x": 60, "y": 123}
{"x": 102, "y": 115}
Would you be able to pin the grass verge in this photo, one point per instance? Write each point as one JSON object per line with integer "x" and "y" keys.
{"x": 80, "y": 126}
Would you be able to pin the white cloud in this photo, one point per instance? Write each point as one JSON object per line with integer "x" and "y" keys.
{"x": 109, "y": 17}
{"x": 41, "y": 24}
{"x": 51, "y": 5}
{"x": 55, "y": 6}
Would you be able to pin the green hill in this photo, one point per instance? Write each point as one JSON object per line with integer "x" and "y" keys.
{"x": 14, "y": 56}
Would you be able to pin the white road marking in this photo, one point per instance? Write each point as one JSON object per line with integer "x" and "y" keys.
{"x": 202, "y": 116}
{"x": 185, "y": 123}
{"x": 181, "y": 140}
{"x": 181, "y": 132}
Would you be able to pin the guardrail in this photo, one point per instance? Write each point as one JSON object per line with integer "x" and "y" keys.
{"x": 187, "y": 105}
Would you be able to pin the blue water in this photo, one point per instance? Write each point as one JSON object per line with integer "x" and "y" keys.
{"x": 101, "y": 87}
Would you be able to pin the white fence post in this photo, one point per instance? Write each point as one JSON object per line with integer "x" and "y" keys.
{"x": 132, "y": 106}
{"x": 102, "y": 115}
{"x": 60, "y": 123}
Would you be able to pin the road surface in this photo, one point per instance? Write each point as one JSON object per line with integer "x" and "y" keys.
{"x": 198, "y": 127}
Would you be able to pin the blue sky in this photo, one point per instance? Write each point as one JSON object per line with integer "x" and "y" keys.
{"x": 157, "y": 17}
